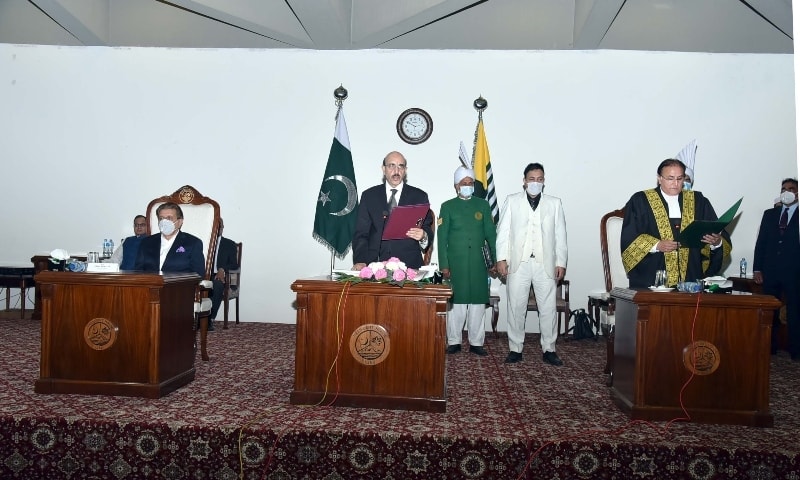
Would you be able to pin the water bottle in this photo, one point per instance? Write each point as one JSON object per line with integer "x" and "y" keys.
{"x": 110, "y": 247}
{"x": 743, "y": 267}
{"x": 105, "y": 248}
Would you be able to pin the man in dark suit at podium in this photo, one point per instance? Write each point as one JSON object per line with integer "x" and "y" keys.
{"x": 171, "y": 250}
{"x": 776, "y": 262}
{"x": 376, "y": 205}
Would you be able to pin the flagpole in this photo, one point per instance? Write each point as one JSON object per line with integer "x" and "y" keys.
{"x": 340, "y": 94}
{"x": 480, "y": 104}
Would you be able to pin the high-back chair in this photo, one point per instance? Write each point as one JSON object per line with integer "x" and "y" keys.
{"x": 201, "y": 219}
{"x": 615, "y": 276}
{"x": 610, "y": 235}
{"x": 232, "y": 283}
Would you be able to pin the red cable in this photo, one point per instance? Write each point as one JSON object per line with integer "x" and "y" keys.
{"x": 661, "y": 430}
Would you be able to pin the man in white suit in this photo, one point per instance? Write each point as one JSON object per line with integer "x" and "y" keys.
{"x": 532, "y": 250}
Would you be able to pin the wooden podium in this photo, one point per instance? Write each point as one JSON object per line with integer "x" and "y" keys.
{"x": 129, "y": 334}
{"x": 41, "y": 263}
{"x": 717, "y": 345}
{"x": 370, "y": 345}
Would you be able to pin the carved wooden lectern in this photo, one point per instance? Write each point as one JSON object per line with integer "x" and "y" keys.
{"x": 370, "y": 345}
{"x": 129, "y": 334}
{"x": 707, "y": 353}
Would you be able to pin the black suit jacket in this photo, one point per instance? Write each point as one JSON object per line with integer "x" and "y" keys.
{"x": 776, "y": 254}
{"x": 226, "y": 256}
{"x": 372, "y": 214}
{"x": 186, "y": 255}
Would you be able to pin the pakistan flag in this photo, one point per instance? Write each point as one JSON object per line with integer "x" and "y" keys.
{"x": 337, "y": 203}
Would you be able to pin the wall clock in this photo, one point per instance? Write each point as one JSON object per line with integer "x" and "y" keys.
{"x": 414, "y": 126}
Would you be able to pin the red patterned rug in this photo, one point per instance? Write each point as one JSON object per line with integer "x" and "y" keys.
{"x": 526, "y": 420}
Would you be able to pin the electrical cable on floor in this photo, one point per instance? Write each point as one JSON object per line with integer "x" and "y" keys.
{"x": 279, "y": 435}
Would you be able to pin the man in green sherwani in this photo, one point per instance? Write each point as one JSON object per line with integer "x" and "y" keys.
{"x": 465, "y": 223}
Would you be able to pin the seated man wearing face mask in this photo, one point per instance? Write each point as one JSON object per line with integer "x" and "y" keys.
{"x": 171, "y": 250}
{"x": 465, "y": 223}
{"x": 653, "y": 220}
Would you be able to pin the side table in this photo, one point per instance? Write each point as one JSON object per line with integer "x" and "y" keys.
{"x": 16, "y": 277}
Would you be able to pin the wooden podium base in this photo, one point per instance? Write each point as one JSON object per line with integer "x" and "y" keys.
{"x": 129, "y": 334}
{"x": 704, "y": 354}
{"x": 370, "y": 345}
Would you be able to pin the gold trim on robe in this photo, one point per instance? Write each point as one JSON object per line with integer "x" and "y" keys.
{"x": 642, "y": 245}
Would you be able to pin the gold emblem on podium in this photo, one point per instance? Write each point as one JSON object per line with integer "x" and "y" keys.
{"x": 370, "y": 344}
{"x": 100, "y": 333}
{"x": 701, "y": 358}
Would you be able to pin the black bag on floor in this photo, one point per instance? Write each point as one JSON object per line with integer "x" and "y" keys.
{"x": 583, "y": 325}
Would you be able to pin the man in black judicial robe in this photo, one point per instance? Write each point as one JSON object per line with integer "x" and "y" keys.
{"x": 653, "y": 219}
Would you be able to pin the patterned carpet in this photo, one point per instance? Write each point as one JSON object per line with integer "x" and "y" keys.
{"x": 527, "y": 420}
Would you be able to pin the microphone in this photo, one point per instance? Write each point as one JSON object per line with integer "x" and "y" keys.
{"x": 385, "y": 215}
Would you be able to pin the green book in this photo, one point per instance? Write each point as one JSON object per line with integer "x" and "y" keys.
{"x": 692, "y": 236}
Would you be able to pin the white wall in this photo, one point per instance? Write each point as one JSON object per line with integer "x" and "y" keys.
{"x": 91, "y": 134}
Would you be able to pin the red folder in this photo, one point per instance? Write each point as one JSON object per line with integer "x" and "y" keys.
{"x": 402, "y": 218}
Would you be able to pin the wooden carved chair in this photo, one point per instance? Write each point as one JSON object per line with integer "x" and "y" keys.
{"x": 201, "y": 219}
{"x": 615, "y": 276}
{"x": 232, "y": 283}
{"x": 562, "y": 304}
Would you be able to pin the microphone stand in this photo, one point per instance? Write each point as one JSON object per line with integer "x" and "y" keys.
{"x": 385, "y": 214}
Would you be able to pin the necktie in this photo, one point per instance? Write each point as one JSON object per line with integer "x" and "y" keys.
{"x": 393, "y": 200}
{"x": 784, "y": 219}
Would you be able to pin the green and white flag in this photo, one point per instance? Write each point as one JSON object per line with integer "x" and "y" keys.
{"x": 337, "y": 204}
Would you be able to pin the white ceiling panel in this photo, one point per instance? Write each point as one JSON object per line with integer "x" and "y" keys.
{"x": 730, "y": 26}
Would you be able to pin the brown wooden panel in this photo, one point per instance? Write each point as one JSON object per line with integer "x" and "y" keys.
{"x": 116, "y": 334}
{"x": 412, "y": 373}
{"x": 654, "y": 329}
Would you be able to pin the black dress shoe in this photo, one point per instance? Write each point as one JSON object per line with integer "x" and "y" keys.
{"x": 477, "y": 350}
{"x": 211, "y": 325}
{"x": 453, "y": 348}
{"x": 513, "y": 357}
{"x": 552, "y": 359}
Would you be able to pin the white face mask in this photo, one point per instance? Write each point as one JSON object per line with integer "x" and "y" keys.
{"x": 534, "y": 188}
{"x": 166, "y": 227}
{"x": 466, "y": 191}
{"x": 787, "y": 197}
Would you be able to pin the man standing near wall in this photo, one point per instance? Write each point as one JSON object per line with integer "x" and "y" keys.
{"x": 776, "y": 262}
{"x": 532, "y": 250}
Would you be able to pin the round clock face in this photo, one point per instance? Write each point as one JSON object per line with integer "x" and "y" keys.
{"x": 414, "y": 126}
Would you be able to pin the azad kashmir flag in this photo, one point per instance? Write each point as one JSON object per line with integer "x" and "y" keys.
{"x": 484, "y": 179}
{"x": 337, "y": 204}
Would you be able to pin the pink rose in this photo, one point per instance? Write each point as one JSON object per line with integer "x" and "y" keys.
{"x": 398, "y": 275}
{"x": 365, "y": 272}
{"x": 411, "y": 274}
{"x": 380, "y": 274}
